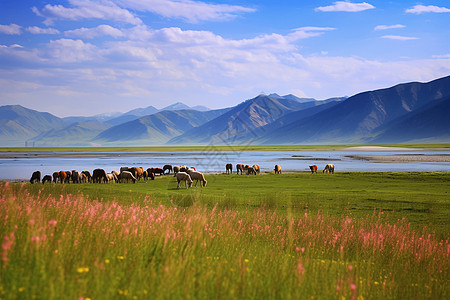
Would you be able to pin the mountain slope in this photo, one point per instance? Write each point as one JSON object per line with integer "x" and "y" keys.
{"x": 243, "y": 119}
{"x": 18, "y": 124}
{"x": 76, "y": 134}
{"x": 157, "y": 128}
{"x": 430, "y": 124}
{"x": 358, "y": 118}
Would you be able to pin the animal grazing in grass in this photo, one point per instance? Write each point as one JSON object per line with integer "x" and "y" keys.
{"x": 68, "y": 176}
{"x": 155, "y": 171}
{"x": 239, "y": 168}
{"x": 76, "y": 178}
{"x": 127, "y": 175}
{"x": 35, "y": 177}
{"x": 183, "y": 176}
{"x": 111, "y": 177}
{"x": 251, "y": 170}
{"x": 257, "y": 169}
{"x": 88, "y": 175}
{"x": 47, "y": 178}
{"x": 99, "y": 176}
{"x": 55, "y": 177}
{"x": 197, "y": 176}
{"x": 277, "y": 169}
{"x": 151, "y": 175}
{"x": 329, "y": 168}
{"x": 176, "y": 169}
{"x": 138, "y": 172}
{"x": 62, "y": 177}
{"x": 83, "y": 178}
{"x": 167, "y": 168}
{"x": 229, "y": 168}
{"x": 313, "y": 169}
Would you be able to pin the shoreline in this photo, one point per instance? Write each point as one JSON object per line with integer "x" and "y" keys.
{"x": 404, "y": 157}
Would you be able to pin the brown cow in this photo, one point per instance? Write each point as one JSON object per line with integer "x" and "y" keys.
{"x": 313, "y": 169}
{"x": 277, "y": 169}
{"x": 35, "y": 177}
{"x": 229, "y": 168}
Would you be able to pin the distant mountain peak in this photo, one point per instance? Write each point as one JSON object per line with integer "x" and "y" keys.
{"x": 176, "y": 106}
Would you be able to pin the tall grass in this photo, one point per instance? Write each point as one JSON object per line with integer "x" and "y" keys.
{"x": 72, "y": 247}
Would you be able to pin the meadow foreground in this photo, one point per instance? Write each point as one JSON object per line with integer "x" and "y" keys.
{"x": 290, "y": 236}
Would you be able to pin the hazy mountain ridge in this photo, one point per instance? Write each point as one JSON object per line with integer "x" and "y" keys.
{"x": 358, "y": 119}
{"x": 18, "y": 124}
{"x": 244, "y": 118}
{"x": 408, "y": 112}
{"x": 157, "y": 128}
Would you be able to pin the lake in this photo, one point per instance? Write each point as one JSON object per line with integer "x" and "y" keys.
{"x": 21, "y": 168}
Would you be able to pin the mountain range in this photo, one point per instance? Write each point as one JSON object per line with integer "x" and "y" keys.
{"x": 406, "y": 113}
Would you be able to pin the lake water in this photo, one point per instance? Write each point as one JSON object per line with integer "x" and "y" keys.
{"x": 22, "y": 168}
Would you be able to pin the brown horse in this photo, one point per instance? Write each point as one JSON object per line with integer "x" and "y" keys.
{"x": 229, "y": 168}
{"x": 239, "y": 168}
{"x": 167, "y": 167}
{"x": 35, "y": 177}
{"x": 313, "y": 169}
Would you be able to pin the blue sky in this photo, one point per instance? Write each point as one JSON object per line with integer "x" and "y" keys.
{"x": 84, "y": 57}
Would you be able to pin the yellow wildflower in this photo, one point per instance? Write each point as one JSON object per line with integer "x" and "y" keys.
{"x": 106, "y": 261}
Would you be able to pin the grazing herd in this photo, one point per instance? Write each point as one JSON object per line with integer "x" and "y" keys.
{"x": 126, "y": 174}
{"x": 133, "y": 174}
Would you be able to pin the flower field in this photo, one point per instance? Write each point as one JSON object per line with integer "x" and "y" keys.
{"x": 69, "y": 246}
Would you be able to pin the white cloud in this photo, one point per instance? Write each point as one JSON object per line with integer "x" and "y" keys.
{"x": 90, "y": 33}
{"x": 119, "y": 10}
{"x": 70, "y": 51}
{"x": 346, "y": 7}
{"x": 38, "y": 30}
{"x": 399, "y": 37}
{"x": 386, "y": 27}
{"x": 191, "y": 11}
{"x": 10, "y": 29}
{"x": 442, "y": 56}
{"x": 420, "y": 9}
{"x": 86, "y": 9}
{"x": 196, "y": 67}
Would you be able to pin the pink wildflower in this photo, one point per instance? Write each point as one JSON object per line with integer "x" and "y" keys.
{"x": 52, "y": 223}
{"x": 8, "y": 241}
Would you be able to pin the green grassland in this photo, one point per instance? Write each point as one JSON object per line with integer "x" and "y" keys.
{"x": 422, "y": 197}
{"x": 289, "y": 236}
{"x": 215, "y": 148}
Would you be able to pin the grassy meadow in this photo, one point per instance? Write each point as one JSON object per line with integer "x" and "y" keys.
{"x": 289, "y": 236}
